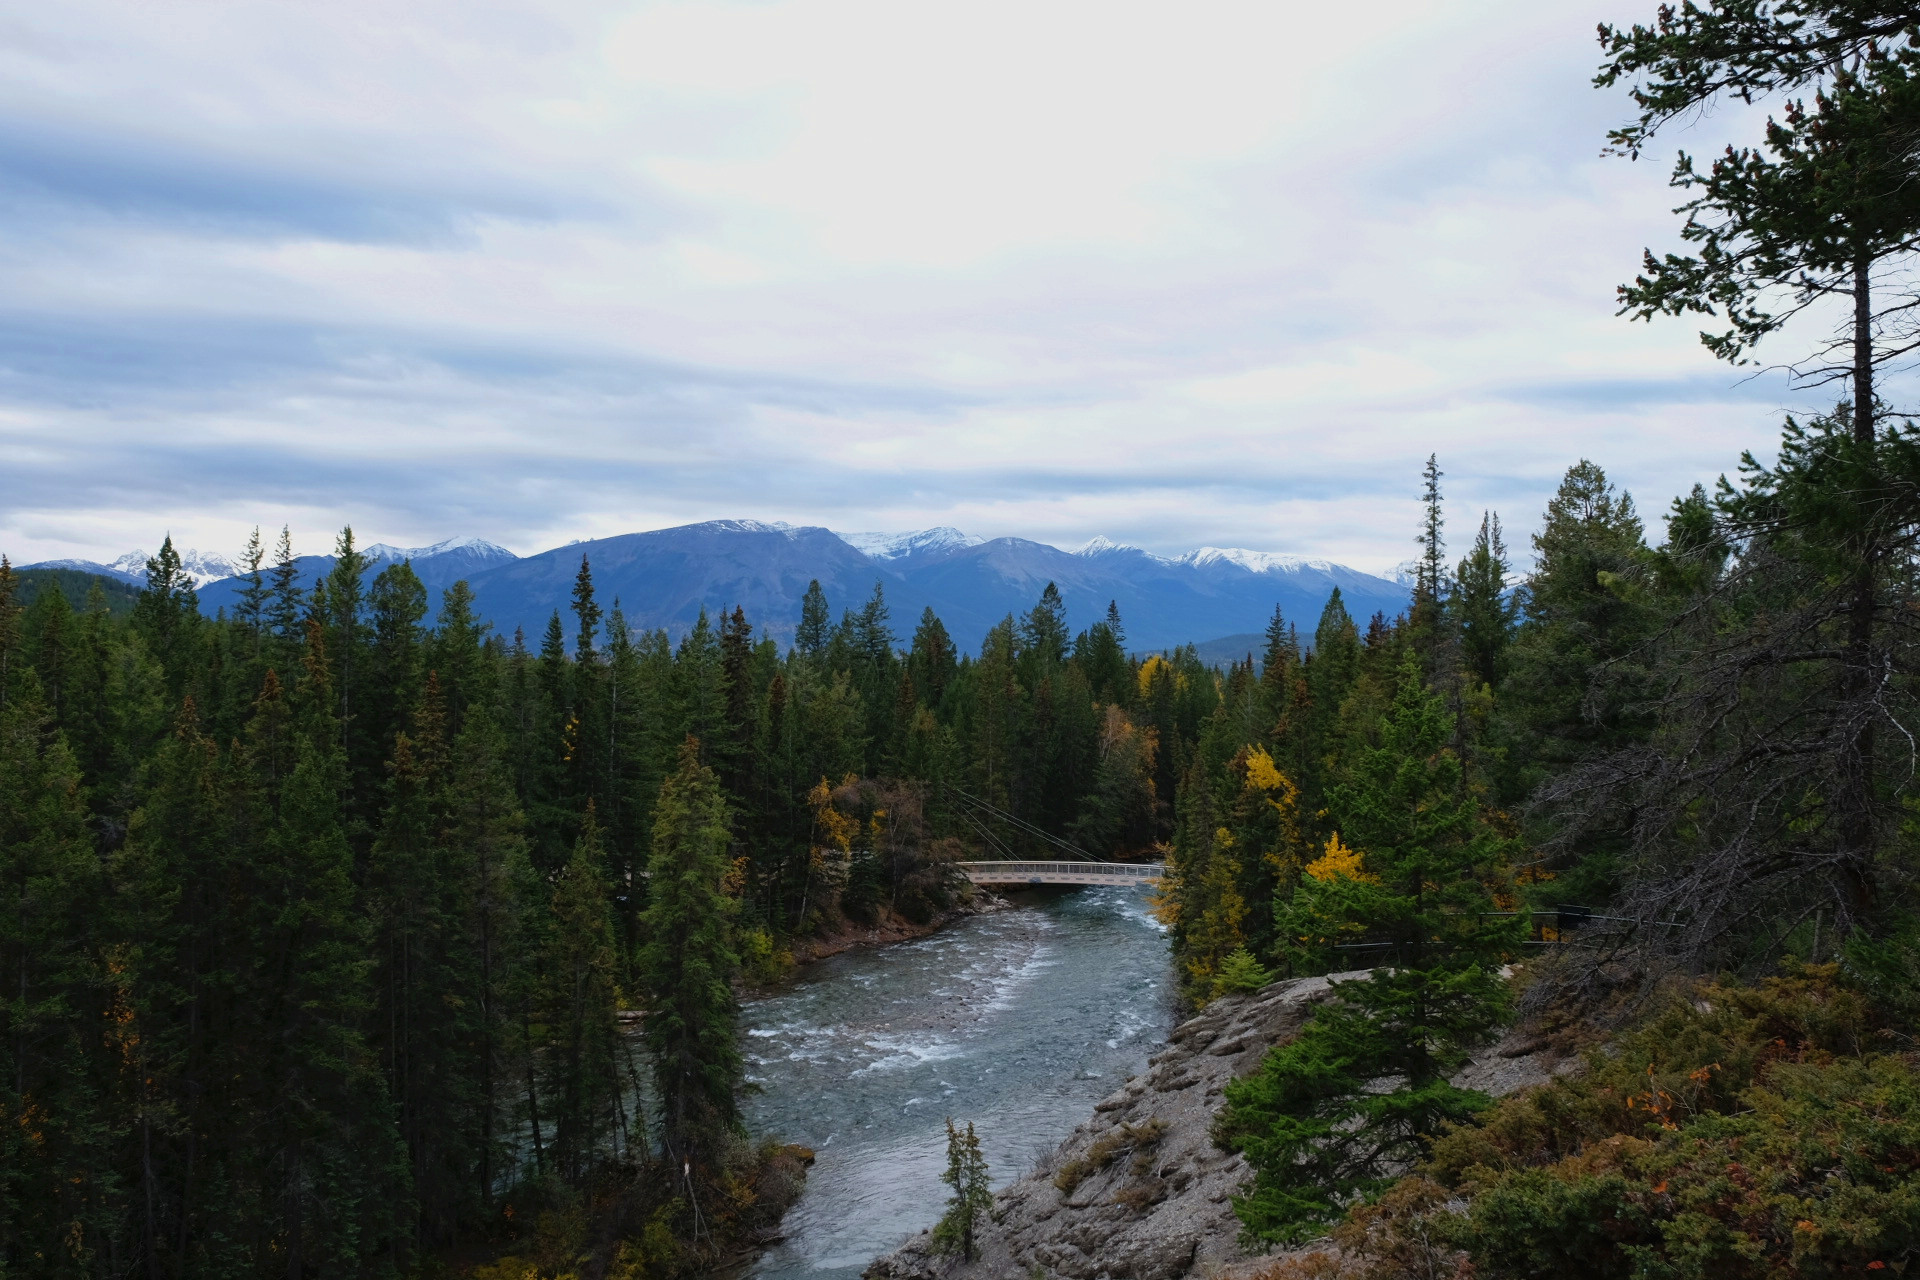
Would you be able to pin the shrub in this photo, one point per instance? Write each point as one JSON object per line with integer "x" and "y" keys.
{"x": 1738, "y": 1133}
{"x": 1136, "y": 1140}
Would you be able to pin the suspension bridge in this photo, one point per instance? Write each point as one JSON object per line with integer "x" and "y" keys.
{"x": 1008, "y": 874}
{"x": 1079, "y": 867}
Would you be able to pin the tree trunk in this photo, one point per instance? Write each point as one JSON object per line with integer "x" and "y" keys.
{"x": 1857, "y": 804}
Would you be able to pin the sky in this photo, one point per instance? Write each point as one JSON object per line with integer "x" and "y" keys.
{"x": 1180, "y": 274}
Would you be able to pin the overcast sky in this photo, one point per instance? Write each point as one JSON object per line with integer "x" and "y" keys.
{"x": 1176, "y": 273}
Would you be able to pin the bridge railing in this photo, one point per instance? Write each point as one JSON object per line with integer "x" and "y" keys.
{"x": 1048, "y": 870}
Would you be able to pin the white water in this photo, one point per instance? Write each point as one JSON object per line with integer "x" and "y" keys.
{"x": 1018, "y": 1021}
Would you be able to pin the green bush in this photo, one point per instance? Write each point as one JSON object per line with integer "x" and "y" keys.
{"x": 1739, "y": 1133}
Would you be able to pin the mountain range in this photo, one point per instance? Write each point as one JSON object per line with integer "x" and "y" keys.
{"x": 663, "y": 578}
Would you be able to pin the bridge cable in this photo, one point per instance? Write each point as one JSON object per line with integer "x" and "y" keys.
{"x": 1023, "y": 825}
{"x": 988, "y": 837}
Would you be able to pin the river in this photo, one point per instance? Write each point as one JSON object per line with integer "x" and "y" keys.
{"x": 1018, "y": 1021}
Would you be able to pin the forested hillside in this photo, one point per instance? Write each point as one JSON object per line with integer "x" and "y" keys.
{"x": 1657, "y": 804}
{"x": 326, "y": 909}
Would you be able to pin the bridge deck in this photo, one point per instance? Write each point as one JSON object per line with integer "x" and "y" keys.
{"x": 1012, "y": 873}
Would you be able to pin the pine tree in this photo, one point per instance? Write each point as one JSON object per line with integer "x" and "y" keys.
{"x": 1430, "y": 580}
{"x": 166, "y": 615}
{"x": 582, "y": 1056}
{"x": 1426, "y": 620}
{"x": 586, "y": 614}
{"x": 732, "y": 752}
{"x": 1584, "y": 617}
{"x": 553, "y": 806}
{"x": 1043, "y": 632}
{"x": 397, "y": 604}
{"x": 484, "y": 832}
{"x": 10, "y": 611}
{"x": 686, "y": 969}
{"x": 1483, "y": 606}
{"x": 283, "y": 600}
{"x": 972, "y": 1193}
{"x": 251, "y": 611}
{"x": 810, "y": 638}
{"x": 457, "y": 652}
{"x": 931, "y": 662}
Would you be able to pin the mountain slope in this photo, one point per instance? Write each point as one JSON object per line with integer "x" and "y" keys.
{"x": 1162, "y": 602}
{"x": 664, "y": 577}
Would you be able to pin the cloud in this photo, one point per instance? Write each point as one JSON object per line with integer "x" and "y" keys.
{"x": 1223, "y": 272}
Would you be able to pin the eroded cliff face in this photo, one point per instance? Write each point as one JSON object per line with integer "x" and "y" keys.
{"x": 1139, "y": 1192}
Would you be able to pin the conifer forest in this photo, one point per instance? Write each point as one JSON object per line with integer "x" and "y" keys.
{"x": 345, "y": 936}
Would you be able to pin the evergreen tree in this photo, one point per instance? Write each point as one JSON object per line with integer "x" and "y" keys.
{"x": 1484, "y": 608}
{"x": 1430, "y": 570}
{"x": 810, "y": 638}
{"x": 732, "y": 753}
{"x": 166, "y": 615}
{"x": 283, "y": 599}
{"x": 686, "y": 968}
{"x": 1576, "y": 690}
{"x": 324, "y": 1156}
{"x": 251, "y": 611}
{"x": 932, "y": 661}
{"x": 484, "y": 830}
{"x": 972, "y": 1193}
{"x": 552, "y": 803}
{"x": 1043, "y": 632}
{"x": 10, "y": 611}
{"x": 586, "y": 614}
{"x": 456, "y": 652}
{"x": 582, "y": 1057}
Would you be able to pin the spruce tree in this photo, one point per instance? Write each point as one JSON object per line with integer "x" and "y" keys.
{"x": 932, "y": 661}
{"x": 1426, "y": 619}
{"x": 810, "y": 638}
{"x": 1483, "y": 608}
{"x": 686, "y": 969}
{"x": 972, "y": 1193}
{"x": 251, "y": 611}
{"x": 10, "y": 611}
{"x": 166, "y": 615}
{"x": 283, "y": 599}
{"x": 582, "y": 1055}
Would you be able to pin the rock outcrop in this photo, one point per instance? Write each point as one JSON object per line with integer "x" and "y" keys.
{"x": 1140, "y": 1192}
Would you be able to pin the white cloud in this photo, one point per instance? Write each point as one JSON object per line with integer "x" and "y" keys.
{"x": 1207, "y": 273}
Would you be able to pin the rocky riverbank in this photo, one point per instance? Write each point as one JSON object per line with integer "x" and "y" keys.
{"x": 891, "y": 928}
{"x": 1139, "y": 1191}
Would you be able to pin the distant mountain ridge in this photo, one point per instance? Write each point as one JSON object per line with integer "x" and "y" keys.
{"x": 202, "y": 566}
{"x": 664, "y": 578}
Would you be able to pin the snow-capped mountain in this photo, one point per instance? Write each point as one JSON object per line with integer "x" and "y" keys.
{"x": 202, "y": 566}
{"x": 459, "y": 556}
{"x": 1254, "y": 561}
{"x": 895, "y": 546}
